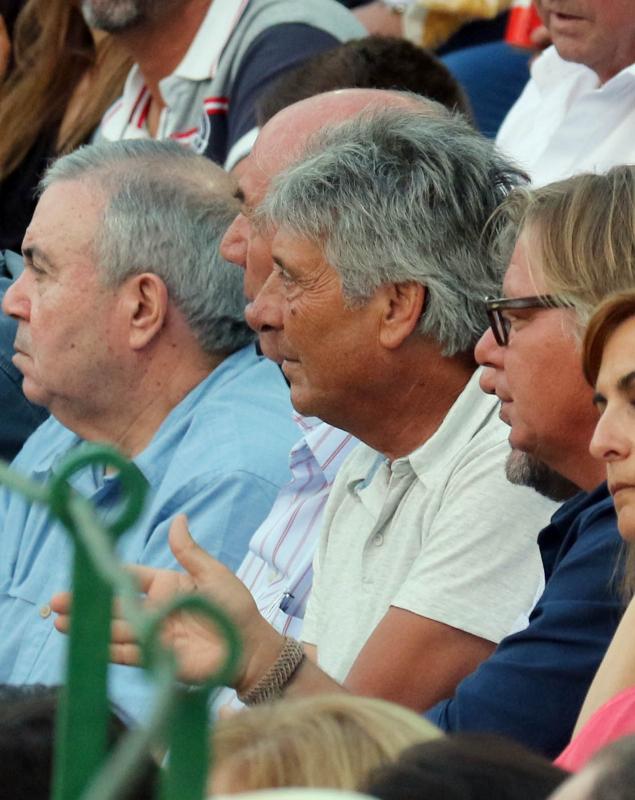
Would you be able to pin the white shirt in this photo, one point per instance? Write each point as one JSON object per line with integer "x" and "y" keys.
{"x": 565, "y": 122}
{"x": 440, "y": 532}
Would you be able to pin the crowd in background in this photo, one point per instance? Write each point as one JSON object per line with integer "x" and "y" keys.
{"x": 353, "y": 285}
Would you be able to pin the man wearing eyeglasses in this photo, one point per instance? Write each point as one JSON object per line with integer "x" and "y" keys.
{"x": 532, "y": 687}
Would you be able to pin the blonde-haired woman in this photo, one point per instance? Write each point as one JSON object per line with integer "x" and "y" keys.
{"x": 329, "y": 741}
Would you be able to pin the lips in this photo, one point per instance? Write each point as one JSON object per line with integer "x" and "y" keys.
{"x": 614, "y": 488}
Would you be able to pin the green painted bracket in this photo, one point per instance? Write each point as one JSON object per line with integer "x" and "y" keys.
{"x": 84, "y": 770}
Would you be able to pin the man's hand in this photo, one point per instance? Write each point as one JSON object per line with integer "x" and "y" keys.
{"x": 379, "y": 19}
{"x": 197, "y": 645}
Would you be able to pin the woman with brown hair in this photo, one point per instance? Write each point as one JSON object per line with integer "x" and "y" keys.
{"x": 609, "y": 366}
{"x": 62, "y": 80}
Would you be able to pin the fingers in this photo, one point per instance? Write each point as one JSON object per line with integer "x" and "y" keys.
{"x": 61, "y": 603}
{"x": 127, "y": 654}
{"x": 199, "y": 564}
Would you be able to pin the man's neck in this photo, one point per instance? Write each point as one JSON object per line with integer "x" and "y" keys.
{"x": 132, "y": 417}
{"x": 414, "y": 405}
{"x": 159, "y": 46}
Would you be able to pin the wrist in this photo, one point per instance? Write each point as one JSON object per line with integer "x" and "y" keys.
{"x": 274, "y": 680}
{"x": 261, "y": 649}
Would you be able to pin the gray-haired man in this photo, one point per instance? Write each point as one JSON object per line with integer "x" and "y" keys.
{"x": 131, "y": 332}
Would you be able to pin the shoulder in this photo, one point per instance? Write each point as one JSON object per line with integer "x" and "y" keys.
{"x": 327, "y": 15}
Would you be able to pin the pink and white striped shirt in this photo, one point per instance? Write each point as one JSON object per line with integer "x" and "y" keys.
{"x": 278, "y": 566}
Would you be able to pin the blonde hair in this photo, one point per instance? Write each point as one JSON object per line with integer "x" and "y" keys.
{"x": 329, "y": 741}
{"x": 53, "y": 49}
{"x": 583, "y": 233}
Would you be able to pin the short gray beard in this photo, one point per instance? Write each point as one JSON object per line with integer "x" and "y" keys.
{"x": 114, "y": 16}
{"x": 523, "y": 469}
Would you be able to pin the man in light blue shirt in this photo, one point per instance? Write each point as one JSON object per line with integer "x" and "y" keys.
{"x": 131, "y": 332}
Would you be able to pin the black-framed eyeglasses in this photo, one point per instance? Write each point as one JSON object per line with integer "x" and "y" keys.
{"x": 500, "y": 325}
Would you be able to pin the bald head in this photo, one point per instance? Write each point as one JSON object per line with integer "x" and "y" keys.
{"x": 281, "y": 142}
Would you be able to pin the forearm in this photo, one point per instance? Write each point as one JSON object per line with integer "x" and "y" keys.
{"x": 617, "y": 670}
{"x": 265, "y": 657}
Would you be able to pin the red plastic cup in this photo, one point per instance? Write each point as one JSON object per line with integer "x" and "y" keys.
{"x": 523, "y": 20}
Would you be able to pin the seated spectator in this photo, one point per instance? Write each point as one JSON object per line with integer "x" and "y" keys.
{"x": 328, "y": 741}
{"x": 609, "y": 708}
{"x": 376, "y": 62}
{"x": 27, "y": 731}
{"x": 201, "y": 65}
{"x": 577, "y": 113}
{"x": 19, "y": 417}
{"x": 61, "y": 83}
{"x": 582, "y": 229}
{"x": 610, "y": 775}
{"x": 131, "y": 332}
{"x": 277, "y": 569}
{"x": 466, "y": 766}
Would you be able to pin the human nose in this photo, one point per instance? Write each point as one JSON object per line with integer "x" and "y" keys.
{"x": 489, "y": 354}
{"x": 265, "y": 313}
{"x": 610, "y": 440}
{"x": 15, "y": 302}
{"x": 233, "y": 246}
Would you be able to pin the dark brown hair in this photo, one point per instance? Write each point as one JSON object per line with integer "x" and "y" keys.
{"x": 376, "y": 62}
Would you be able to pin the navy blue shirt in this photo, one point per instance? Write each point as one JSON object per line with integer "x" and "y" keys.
{"x": 18, "y": 417}
{"x": 533, "y": 685}
{"x": 275, "y": 51}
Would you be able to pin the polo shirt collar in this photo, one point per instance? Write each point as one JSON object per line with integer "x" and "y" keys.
{"x": 470, "y": 412}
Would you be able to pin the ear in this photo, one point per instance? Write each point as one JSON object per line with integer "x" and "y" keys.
{"x": 146, "y": 307}
{"x": 402, "y": 311}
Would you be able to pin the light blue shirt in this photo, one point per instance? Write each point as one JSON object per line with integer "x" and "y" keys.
{"x": 220, "y": 457}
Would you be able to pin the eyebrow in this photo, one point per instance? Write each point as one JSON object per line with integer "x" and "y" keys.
{"x": 626, "y": 381}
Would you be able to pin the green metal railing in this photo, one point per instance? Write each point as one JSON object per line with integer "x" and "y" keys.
{"x": 84, "y": 769}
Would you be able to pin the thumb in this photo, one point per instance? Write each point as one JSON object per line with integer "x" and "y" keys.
{"x": 196, "y": 562}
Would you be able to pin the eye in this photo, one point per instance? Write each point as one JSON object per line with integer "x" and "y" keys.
{"x": 34, "y": 270}
{"x": 287, "y": 280}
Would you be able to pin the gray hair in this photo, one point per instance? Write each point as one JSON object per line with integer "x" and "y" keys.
{"x": 166, "y": 212}
{"x": 397, "y": 195}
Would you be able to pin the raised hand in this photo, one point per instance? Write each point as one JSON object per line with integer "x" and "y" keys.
{"x": 196, "y": 643}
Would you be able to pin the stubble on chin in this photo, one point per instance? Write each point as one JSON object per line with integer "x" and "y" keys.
{"x": 113, "y": 16}
{"x": 523, "y": 469}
